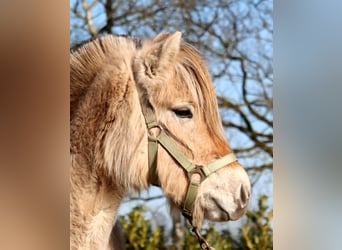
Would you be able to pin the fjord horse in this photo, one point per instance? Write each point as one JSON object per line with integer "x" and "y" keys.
{"x": 145, "y": 112}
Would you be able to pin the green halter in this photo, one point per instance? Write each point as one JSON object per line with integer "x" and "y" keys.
{"x": 203, "y": 171}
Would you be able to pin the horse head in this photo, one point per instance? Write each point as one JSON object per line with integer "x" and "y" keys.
{"x": 175, "y": 87}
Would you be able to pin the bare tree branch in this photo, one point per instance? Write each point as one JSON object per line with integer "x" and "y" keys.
{"x": 88, "y": 17}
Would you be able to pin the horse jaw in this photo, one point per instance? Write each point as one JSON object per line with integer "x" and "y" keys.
{"x": 223, "y": 196}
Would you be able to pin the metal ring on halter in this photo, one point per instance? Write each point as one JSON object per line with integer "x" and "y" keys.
{"x": 152, "y": 137}
{"x": 197, "y": 170}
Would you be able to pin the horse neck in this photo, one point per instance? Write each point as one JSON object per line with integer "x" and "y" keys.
{"x": 93, "y": 206}
{"x": 108, "y": 145}
{"x": 120, "y": 161}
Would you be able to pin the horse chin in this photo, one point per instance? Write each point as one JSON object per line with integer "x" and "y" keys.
{"x": 221, "y": 208}
{"x": 214, "y": 215}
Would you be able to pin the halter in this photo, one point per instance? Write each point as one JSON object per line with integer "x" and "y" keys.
{"x": 191, "y": 169}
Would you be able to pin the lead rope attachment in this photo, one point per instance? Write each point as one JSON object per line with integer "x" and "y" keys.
{"x": 203, "y": 243}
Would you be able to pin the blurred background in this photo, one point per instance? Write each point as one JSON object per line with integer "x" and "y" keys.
{"x": 235, "y": 38}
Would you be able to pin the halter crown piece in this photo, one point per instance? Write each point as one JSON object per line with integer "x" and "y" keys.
{"x": 191, "y": 169}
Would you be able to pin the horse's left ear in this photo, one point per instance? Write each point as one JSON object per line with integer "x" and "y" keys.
{"x": 157, "y": 58}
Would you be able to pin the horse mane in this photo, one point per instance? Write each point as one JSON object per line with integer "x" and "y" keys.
{"x": 86, "y": 60}
{"x": 191, "y": 59}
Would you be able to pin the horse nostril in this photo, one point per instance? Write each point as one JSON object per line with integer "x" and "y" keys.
{"x": 244, "y": 195}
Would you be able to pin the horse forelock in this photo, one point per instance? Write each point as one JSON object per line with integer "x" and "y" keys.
{"x": 200, "y": 85}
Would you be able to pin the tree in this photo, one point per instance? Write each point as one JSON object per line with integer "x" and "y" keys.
{"x": 139, "y": 233}
{"x": 257, "y": 233}
{"x": 235, "y": 36}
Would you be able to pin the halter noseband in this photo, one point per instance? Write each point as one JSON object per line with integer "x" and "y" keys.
{"x": 192, "y": 169}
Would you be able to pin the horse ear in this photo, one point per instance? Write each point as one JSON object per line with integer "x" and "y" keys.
{"x": 160, "y": 37}
{"x": 158, "y": 57}
{"x": 169, "y": 50}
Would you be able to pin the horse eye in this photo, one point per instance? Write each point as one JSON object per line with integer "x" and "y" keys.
{"x": 183, "y": 113}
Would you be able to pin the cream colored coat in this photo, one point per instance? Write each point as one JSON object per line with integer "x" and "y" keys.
{"x": 109, "y": 135}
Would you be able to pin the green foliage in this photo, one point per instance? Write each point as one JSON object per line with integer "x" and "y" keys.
{"x": 139, "y": 233}
{"x": 214, "y": 238}
{"x": 255, "y": 234}
{"x": 258, "y": 233}
{"x": 222, "y": 240}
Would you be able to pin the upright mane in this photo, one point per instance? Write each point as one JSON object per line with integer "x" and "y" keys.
{"x": 86, "y": 60}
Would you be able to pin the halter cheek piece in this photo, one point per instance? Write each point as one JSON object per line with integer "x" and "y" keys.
{"x": 191, "y": 169}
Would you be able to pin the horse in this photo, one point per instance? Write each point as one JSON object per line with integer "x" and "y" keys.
{"x": 144, "y": 112}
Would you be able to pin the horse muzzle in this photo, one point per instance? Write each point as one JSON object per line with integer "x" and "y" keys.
{"x": 225, "y": 200}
